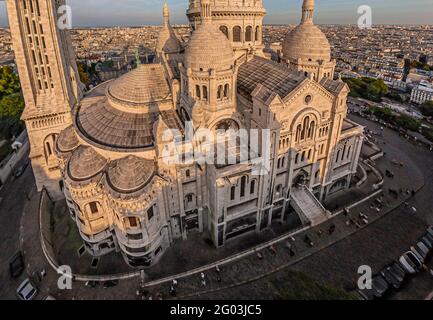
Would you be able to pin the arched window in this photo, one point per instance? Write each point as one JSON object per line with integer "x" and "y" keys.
{"x": 49, "y": 143}
{"x": 243, "y": 184}
{"x": 298, "y": 132}
{"x": 249, "y": 33}
{"x": 253, "y": 187}
{"x": 297, "y": 158}
{"x": 48, "y": 148}
{"x": 257, "y": 33}
{"x": 311, "y": 130}
{"x": 197, "y": 91}
{"x": 348, "y": 152}
{"x": 226, "y": 90}
{"x": 187, "y": 173}
{"x": 305, "y": 128}
{"x": 237, "y": 34}
{"x": 338, "y": 156}
{"x": 204, "y": 92}
{"x": 303, "y": 156}
{"x": 279, "y": 190}
{"x": 232, "y": 193}
{"x": 225, "y": 30}
{"x": 220, "y": 92}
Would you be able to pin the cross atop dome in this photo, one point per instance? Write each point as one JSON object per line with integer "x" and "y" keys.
{"x": 307, "y": 11}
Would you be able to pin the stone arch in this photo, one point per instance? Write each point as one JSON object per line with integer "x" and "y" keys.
{"x": 225, "y": 30}
{"x": 301, "y": 178}
{"x": 49, "y": 145}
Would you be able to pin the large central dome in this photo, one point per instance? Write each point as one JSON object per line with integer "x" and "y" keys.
{"x": 143, "y": 85}
{"x": 208, "y": 48}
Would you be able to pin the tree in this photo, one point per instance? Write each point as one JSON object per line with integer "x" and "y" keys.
{"x": 427, "y": 109}
{"x": 367, "y": 88}
{"x": 9, "y": 81}
{"x": 84, "y": 77}
{"x": 12, "y": 106}
{"x": 408, "y": 122}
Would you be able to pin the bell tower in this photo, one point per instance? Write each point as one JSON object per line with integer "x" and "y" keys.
{"x": 49, "y": 81}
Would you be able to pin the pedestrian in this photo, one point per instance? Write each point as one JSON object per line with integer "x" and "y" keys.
{"x": 217, "y": 269}
{"x": 172, "y": 291}
{"x": 272, "y": 249}
{"x": 174, "y": 283}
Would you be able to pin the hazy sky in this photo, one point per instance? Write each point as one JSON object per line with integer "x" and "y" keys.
{"x": 144, "y": 12}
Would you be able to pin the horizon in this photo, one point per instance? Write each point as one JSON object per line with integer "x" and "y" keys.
{"x": 139, "y": 13}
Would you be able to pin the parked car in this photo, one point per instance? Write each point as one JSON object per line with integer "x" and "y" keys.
{"x": 430, "y": 230}
{"x": 380, "y": 286}
{"x": 427, "y": 242}
{"x": 410, "y": 262}
{"x": 421, "y": 251}
{"x": 16, "y": 265}
{"x": 366, "y": 294}
{"x": 397, "y": 271}
{"x": 27, "y": 290}
{"x": 392, "y": 277}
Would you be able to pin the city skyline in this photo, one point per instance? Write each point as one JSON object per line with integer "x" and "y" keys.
{"x": 139, "y": 12}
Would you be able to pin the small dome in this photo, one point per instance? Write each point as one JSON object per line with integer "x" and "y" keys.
{"x": 307, "y": 42}
{"x": 85, "y": 163}
{"x": 141, "y": 86}
{"x": 208, "y": 48}
{"x": 168, "y": 42}
{"x": 130, "y": 173}
{"x": 67, "y": 140}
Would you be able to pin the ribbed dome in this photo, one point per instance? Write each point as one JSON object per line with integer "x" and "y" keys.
{"x": 209, "y": 48}
{"x": 168, "y": 41}
{"x": 141, "y": 86}
{"x": 130, "y": 173}
{"x": 67, "y": 140}
{"x": 85, "y": 163}
{"x": 307, "y": 42}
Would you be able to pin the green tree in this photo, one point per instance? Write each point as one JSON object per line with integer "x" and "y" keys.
{"x": 12, "y": 106}
{"x": 9, "y": 81}
{"x": 427, "y": 109}
{"x": 82, "y": 71}
{"x": 408, "y": 122}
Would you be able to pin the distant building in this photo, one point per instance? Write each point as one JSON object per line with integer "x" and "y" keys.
{"x": 422, "y": 93}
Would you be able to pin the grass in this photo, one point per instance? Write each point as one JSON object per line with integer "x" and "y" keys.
{"x": 299, "y": 286}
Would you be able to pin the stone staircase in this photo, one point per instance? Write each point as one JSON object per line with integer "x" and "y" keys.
{"x": 308, "y": 207}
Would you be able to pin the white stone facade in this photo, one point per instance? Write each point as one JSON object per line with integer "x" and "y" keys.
{"x": 422, "y": 93}
{"x": 111, "y": 146}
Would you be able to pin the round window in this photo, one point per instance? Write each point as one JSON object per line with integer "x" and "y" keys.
{"x": 308, "y": 99}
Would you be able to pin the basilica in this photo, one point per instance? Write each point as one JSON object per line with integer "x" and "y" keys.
{"x": 105, "y": 151}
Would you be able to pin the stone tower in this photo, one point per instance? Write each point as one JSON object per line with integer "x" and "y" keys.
{"x": 240, "y": 20}
{"x": 49, "y": 80}
{"x": 307, "y": 49}
{"x": 209, "y": 73}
